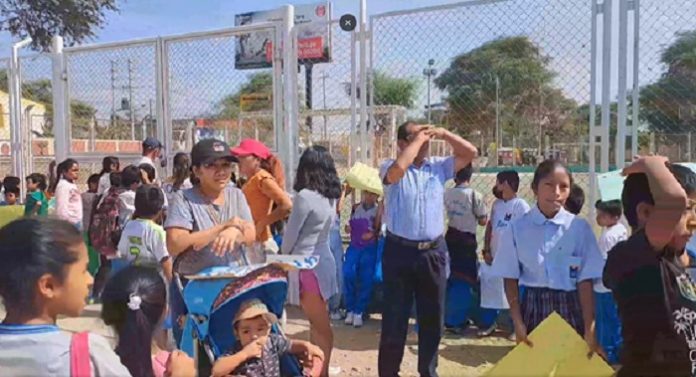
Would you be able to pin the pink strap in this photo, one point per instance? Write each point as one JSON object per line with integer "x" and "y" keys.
{"x": 79, "y": 355}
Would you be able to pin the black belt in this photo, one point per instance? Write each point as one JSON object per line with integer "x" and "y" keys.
{"x": 420, "y": 245}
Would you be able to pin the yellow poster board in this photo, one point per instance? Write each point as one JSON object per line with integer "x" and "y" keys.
{"x": 363, "y": 177}
{"x": 557, "y": 351}
{"x": 10, "y": 213}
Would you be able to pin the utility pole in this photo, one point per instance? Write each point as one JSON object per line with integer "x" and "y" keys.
{"x": 498, "y": 130}
{"x": 429, "y": 72}
{"x": 113, "y": 92}
{"x": 130, "y": 98}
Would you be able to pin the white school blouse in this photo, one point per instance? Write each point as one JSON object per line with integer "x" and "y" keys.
{"x": 554, "y": 253}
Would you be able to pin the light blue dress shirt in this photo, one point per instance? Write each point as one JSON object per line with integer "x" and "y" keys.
{"x": 552, "y": 253}
{"x": 414, "y": 206}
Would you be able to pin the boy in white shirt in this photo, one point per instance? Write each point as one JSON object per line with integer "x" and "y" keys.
{"x": 143, "y": 240}
{"x": 607, "y": 317}
{"x": 507, "y": 208}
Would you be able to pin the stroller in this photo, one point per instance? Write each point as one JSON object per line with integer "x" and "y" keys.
{"x": 214, "y": 296}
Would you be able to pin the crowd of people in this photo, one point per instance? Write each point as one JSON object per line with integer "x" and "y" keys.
{"x": 122, "y": 242}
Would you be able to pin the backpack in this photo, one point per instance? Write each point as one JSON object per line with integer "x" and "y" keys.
{"x": 105, "y": 230}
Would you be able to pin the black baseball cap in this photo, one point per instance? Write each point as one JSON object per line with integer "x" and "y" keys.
{"x": 152, "y": 143}
{"x": 209, "y": 150}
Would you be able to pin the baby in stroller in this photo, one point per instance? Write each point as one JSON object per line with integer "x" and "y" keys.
{"x": 257, "y": 351}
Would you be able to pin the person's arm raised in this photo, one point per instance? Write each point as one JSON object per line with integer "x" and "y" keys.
{"x": 669, "y": 197}
{"x": 397, "y": 170}
{"x": 464, "y": 152}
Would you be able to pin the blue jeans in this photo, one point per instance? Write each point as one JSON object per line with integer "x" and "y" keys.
{"x": 459, "y": 302}
{"x": 608, "y": 326}
{"x": 358, "y": 276}
{"x": 336, "y": 245}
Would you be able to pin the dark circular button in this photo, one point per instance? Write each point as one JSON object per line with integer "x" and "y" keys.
{"x": 348, "y": 22}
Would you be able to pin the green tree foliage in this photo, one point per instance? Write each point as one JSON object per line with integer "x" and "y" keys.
{"x": 527, "y": 97}
{"x": 259, "y": 83}
{"x": 81, "y": 114}
{"x": 75, "y": 20}
{"x": 394, "y": 91}
{"x": 669, "y": 104}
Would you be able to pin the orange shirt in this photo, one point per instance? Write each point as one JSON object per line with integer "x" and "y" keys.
{"x": 259, "y": 203}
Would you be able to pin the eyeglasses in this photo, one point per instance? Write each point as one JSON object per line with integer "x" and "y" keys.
{"x": 218, "y": 165}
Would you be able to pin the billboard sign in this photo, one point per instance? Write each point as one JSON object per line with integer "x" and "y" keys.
{"x": 255, "y": 50}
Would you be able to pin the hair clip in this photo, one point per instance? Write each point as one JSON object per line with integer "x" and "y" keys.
{"x": 134, "y": 302}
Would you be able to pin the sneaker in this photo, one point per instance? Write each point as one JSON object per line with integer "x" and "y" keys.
{"x": 334, "y": 371}
{"x": 349, "y": 318}
{"x": 487, "y": 332}
{"x": 357, "y": 320}
{"x": 512, "y": 337}
{"x": 336, "y": 316}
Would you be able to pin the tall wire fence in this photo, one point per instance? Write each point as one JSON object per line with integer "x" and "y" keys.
{"x": 210, "y": 96}
{"x": 509, "y": 75}
{"x": 668, "y": 78}
{"x": 513, "y": 76}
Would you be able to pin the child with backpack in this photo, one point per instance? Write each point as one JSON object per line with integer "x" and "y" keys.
{"x": 143, "y": 240}
{"x": 36, "y": 202}
{"x": 43, "y": 276}
{"x": 131, "y": 179}
{"x": 105, "y": 231}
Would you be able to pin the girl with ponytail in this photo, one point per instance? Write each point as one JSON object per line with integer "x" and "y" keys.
{"x": 134, "y": 303}
{"x": 264, "y": 189}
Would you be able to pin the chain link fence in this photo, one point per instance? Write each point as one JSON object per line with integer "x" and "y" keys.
{"x": 37, "y": 112}
{"x": 516, "y": 71}
{"x": 668, "y": 78}
{"x": 324, "y": 90}
{"x": 112, "y": 96}
{"x": 210, "y": 96}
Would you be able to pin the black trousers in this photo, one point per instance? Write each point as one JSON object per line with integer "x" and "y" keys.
{"x": 411, "y": 273}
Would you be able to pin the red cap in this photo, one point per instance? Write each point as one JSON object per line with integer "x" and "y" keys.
{"x": 252, "y": 147}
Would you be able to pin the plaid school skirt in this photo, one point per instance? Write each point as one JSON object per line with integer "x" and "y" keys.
{"x": 539, "y": 303}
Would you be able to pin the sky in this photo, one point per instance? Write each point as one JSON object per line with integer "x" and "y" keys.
{"x": 150, "y": 18}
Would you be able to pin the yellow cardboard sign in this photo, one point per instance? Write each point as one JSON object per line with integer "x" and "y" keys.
{"x": 557, "y": 351}
{"x": 9, "y": 214}
{"x": 363, "y": 177}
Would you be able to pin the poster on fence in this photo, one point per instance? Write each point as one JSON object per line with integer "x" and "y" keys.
{"x": 255, "y": 50}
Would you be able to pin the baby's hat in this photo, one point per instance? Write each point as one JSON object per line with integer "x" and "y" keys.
{"x": 254, "y": 308}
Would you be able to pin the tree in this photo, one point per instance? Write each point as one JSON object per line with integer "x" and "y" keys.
{"x": 516, "y": 69}
{"x": 75, "y": 20}
{"x": 259, "y": 83}
{"x": 82, "y": 114}
{"x": 394, "y": 91}
{"x": 669, "y": 104}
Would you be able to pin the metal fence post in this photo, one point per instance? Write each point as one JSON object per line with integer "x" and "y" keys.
{"x": 290, "y": 124}
{"x": 362, "y": 35}
{"x": 15, "y": 94}
{"x": 164, "y": 131}
{"x": 58, "y": 85}
{"x": 623, "y": 79}
{"x": 635, "y": 121}
{"x": 606, "y": 82}
{"x": 353, "y": 100}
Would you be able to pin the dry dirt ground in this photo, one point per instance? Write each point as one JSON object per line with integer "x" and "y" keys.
{"x": 355, "y": 350}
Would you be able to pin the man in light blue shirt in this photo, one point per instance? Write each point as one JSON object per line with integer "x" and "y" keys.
{"x": 415, "y": 255}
